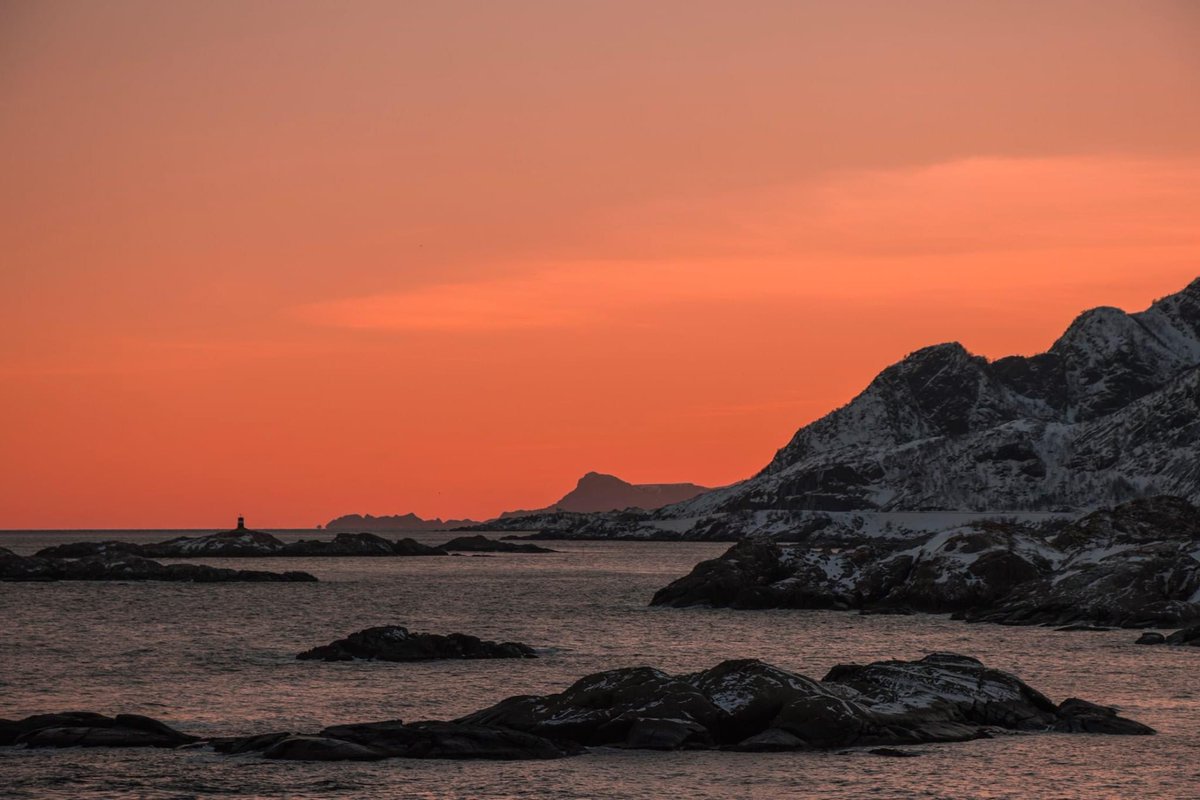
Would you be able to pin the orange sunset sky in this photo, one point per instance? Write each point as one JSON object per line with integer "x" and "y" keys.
{"x": 303, "y": 259}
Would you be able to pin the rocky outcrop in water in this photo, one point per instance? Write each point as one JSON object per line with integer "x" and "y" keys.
{"x": 1137, "y": 565}
{"x": 243, "y": 543}
{"x": 396, "y": 643}
{"x": 86, "y": 729}
{"x": 750, "y": 705}
{"x": 736, "y": 705}
{"x": 118, "y": 566}
{"x": 482, "y": 544}
{"x": 1187, "y": 636}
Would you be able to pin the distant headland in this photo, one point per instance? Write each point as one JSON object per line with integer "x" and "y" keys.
{"x": 594, "y": 492}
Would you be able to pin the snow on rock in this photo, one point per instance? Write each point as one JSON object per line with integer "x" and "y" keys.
{"x": 1134, "y": 566}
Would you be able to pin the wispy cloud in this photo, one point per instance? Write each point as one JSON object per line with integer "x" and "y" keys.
{"x": 863, "y": 233}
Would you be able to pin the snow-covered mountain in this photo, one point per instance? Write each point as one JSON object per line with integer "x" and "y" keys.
{"x": 1111, "y": 412}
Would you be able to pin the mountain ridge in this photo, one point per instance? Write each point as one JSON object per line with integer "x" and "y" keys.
{"x": 1109, "y": 413}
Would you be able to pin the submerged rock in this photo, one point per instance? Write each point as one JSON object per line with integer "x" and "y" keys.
{"x": 482, "y": 544}
{"x": 233, "y": 745}
{"x": 320, "y": 748}
{"x": 890, "y": 752}
{"x": 1189, "y": 636}
{"x": 1080, "y": 716}
{"x": 396, "y": 643}
{"x": 118, "y": 566}
{"x": 448, "y": 740}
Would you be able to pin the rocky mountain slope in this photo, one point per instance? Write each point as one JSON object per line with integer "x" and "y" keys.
{"x": 1111, "y": 412}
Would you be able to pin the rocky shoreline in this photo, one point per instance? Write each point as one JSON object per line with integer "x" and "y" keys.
{"x": 397, "y": 643}
{"x": 245, "y": 543}
{"x": 117, "y": 566}
{"x": 1134, "y": 566}
{"x": 744, "y": 705}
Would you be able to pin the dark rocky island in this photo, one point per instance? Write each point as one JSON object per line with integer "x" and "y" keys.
{"x": 242, "y": 542}
{"x": 394, "y": 523}
{"x": 396, "y": 643}
{"x": 482, "y": 544}
{"x": 87, "y": 729}
{"x": 737, "y": 705}
{"x": 1133, "y": 566}
{"x": 120, "y": 566}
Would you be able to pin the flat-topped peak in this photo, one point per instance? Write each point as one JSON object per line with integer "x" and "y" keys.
{"x": 595, "y": 478}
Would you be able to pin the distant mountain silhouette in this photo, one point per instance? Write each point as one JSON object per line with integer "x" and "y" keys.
{"x": 594, "y": 492}
{"x": 395, "y": 522}
{"x": 599, "y": 492}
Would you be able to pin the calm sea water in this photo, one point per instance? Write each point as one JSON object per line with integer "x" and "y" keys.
{"x": 219, "y": 659}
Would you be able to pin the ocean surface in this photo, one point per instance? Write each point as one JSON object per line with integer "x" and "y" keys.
{"x": 220, "y": 659}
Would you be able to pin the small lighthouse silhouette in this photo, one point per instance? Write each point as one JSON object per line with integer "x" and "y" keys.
{"x": 241, "y": 523}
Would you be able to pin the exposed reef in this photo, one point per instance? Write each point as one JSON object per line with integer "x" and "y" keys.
{"x": 87, "y": 729}
{"x": 244, "y": 543}
{"x": 119, "y": 566}
{"x": 396, "y": 643}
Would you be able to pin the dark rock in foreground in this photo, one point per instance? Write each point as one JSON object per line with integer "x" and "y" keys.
{"x": 482, "y": 544}
{"x": 86, "y": 729}
{"x": 396, "y": 643}
{"x": 244, "y": 543}
{"x": 1133, "y": 566}
{"x": 737, "y": 705}
{"x": 117, "y": 566}
{"x": 749, "y": 705}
